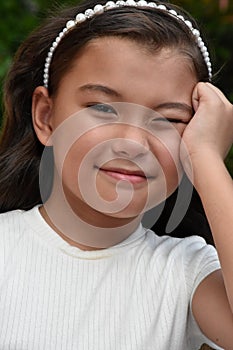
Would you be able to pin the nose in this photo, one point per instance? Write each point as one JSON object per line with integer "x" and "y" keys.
{"x": 131, "y": 143}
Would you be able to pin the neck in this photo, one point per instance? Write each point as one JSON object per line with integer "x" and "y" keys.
{"x": 84, "y": 227}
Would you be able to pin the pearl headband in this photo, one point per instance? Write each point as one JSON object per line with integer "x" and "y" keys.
{"x": 98, "y": 9}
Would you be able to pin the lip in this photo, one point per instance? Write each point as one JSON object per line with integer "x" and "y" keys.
{"x": 133, "y": 176}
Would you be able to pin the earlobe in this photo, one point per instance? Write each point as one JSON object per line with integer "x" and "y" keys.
{"x": 41, "y": 114}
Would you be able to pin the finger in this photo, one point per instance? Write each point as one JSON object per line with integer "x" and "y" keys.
{"x": 200, "y": 94}
{"x": 217, "y": 91}
{"x": 206, "y": 92}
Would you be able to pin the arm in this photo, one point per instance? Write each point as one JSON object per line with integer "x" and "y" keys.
{"x": 208, "y": 138}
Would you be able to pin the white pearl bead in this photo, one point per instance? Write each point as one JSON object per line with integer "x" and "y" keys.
{"x": 141, "y": 3}
{"x": 152, "y": 4}
{"x": 181, "y": 17}
{"x": 110, "y": 5}
{"x": 89, "y": 13}
{"x": 119, "y": 3}
{"x": 196, "y": 32}
{"x": 162, "y": 7}
{"x": 98, "y": 9}
{"x": 70, "y": 24}
{"x": 80, "y": 18}
{"x": 189, "y": 24}
{"x": 130, "y": 3}
{"x": 173, "y": 12}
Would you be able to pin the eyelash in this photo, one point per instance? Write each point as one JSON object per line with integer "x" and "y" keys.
{"x": 171, "y": 120}
{"x": 102, "y": 107}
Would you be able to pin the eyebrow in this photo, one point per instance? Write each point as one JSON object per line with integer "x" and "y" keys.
{"x": 110, "y": 92}
{"x": 101, "y": 88}
{"x": 176, "y": 105}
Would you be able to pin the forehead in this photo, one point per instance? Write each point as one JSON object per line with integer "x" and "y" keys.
{"x": 130, "y": 67}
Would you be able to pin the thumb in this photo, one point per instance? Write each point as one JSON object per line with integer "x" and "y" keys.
{"x": 199, "y": 95}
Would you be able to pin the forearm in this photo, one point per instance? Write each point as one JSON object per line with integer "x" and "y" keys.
{"x": 215, "y": 187}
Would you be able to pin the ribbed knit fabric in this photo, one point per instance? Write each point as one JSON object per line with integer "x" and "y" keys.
{"x": 133, "y": 296}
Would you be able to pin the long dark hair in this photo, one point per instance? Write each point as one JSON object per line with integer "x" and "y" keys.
{"x": 20, "y": 150}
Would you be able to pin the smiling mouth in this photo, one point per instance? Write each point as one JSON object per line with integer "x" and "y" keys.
{"x": 133, "y": 176}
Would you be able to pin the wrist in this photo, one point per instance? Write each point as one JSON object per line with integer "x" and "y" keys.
{"x": 202, "y": 166}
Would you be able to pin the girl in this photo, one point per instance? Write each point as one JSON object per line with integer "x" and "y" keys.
{"x": 106, "y": 105}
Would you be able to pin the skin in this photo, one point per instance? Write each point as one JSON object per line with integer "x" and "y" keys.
{"x": 172, "y": 91}
{"x": 96, "y": 77}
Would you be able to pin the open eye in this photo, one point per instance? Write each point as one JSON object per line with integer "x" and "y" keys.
{"x": 103, "y": 108}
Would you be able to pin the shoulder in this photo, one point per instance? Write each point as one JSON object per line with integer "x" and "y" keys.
{"x": 11, "y": 228}
{"x": 16, "y": 224}
{"x": 12, "y": 231}
{"x": 192, "y": 255}
{"x": 11, "y": 223}
{"x": 173, "y": 245}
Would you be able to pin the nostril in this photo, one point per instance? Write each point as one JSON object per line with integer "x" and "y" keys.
{"x": 128, "y": 148}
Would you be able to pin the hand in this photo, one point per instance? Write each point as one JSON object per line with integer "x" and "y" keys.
{"x": 211, "y": 128}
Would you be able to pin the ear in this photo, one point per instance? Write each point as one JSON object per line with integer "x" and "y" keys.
{"x": 41, "y": 114}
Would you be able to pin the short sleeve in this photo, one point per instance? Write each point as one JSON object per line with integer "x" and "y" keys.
{"x": 201, "y": 260}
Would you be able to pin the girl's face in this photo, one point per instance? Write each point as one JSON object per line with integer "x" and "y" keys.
{"x": 116, "y": 124}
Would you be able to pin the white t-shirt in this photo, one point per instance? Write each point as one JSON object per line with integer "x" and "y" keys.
{"x": 133, "y": 296}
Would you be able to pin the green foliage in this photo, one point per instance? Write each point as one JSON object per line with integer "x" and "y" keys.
{"x": 16, "y": 21}
{"x": 19, "y": 17}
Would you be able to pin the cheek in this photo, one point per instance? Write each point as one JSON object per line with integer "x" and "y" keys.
{"x": 168, "y": 156}
{"x": 172, "y": 171}
{"x": 77, "y": 157}
{"x": 73, "y": 145}
{"x": 78, "y": 166}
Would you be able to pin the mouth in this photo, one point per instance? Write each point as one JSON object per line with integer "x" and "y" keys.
{"x": 133, "y": 176}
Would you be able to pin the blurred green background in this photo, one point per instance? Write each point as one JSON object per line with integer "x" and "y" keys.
{"x": 215, "y": 17}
